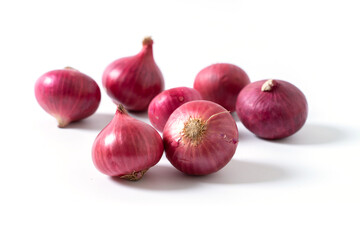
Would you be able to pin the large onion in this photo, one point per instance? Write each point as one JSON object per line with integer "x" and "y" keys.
{"x": 126, "y": 147}
{"x": 272, "y": 109}
{"x": 200, "y": 137}
{"x": 221, "y": 83}
{"x": 68, "y": 95}
{"x": 134, "y": 81}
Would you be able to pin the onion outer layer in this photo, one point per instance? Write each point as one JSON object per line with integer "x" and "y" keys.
{"x": 200, "y": 137}
{"x": 68, "y": 95}
{"x": 126, "y": 147}
{"x": 221, "y": 83}
{"x": 272, "y": 109}
{"x": 167, "y": 101}
{"x": 134, "y": 81}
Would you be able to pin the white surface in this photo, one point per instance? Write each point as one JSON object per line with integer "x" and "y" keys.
{"x": 303, "y": 187}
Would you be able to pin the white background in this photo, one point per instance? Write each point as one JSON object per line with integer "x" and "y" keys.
{"x": 303, "y": 187}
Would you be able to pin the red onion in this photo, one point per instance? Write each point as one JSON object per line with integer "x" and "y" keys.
{"x": 134, "y": 81}
{"x": 221, "y": 83}
{"x": 166, "y": 102}
{"x": 126, "y": 147}
{"x": 68, "y": 95}
{"x": 200, "y": 137}
{"x": 272, "y": 109}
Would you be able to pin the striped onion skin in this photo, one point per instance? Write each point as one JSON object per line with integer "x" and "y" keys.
{"x": 167, "y": 101}
{"x": 68, "y": 95}
{"x": 134, "y": 81}
{"x": 212, "y": 150}
{"x": 126, "y": 147}
{"x": 272, "y": 108}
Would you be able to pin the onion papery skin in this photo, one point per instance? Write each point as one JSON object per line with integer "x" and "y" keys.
{"x": 221, "y": 83}
{"x": 167, "y": 101}
{"x": 209, "y": 153}
{"x": 275, "y": 113}
{"x": 126, "y": 147}
{"x": 68, "y": 95}
{"x": 134, "y": 81}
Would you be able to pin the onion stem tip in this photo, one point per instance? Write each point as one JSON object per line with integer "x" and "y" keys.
{"x": 268, "y": 85}
{"x": 147, "y": 41}
{"x": 134, "y": 176}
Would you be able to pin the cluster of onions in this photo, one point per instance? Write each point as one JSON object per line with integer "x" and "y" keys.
{"x": 199, "y": 134}
{"x": 271, "y": 109}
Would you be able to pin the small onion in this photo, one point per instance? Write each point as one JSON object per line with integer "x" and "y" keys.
{"x": 167, "y": 101}
{"x": 126, "y": 147}
{"x": 200, "y": 137}
{"x": 272, "y": 109}
{"x": 134, "y": 81}
{"x": 68, "y": 95}
{"x": 221, "y": 83}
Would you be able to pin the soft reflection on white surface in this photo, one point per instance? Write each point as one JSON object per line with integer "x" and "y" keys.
{"x": 166, "y": 177}
{"x": 313, "y": 134}
{"x": 96, "y": 122}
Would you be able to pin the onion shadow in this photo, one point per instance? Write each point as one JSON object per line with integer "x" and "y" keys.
{"x": 96, "y": 122}
{"x": 235, "y": 116}
{"x": 242, "y": 172}
{"x": 166, "y": 178}
{"x": 143, "y": 115}
{"x": 161, "y": 178}
{"x": 313, "y": 134}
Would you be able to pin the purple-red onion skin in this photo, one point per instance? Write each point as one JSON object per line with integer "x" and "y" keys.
{"x": 68, "y": 95}
{"x": 273, "y": 114}
{"x": 134, "y": 81}
{"x": 126, "y": 145}
{"x": 221, "y": 83}
{"x": 213, "y": 151}
{"x": 166, "y": 102}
